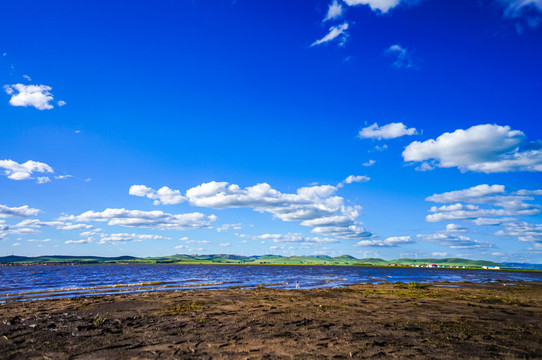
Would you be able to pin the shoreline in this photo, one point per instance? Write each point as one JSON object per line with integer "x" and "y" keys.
{"x": 469, "y": 320}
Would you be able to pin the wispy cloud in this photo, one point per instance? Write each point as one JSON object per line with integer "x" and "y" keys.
{"x": 334, "y": 11}
{"x": 529, "y": 12}
{"x": 335, "y": 32}
{"x": 403, "y": 57}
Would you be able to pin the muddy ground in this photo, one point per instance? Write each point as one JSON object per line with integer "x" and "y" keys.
{"x": 362, "y": 321}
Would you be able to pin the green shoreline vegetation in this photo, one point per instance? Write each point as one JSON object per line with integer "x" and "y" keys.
{"x": 226, "y": 259}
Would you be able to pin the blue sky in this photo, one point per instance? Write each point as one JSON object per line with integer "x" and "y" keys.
{"x": 375, "y": 128}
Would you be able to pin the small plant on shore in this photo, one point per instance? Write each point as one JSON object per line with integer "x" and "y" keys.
{"x": 99, "y": 320}
{"x": 415, "y": 285}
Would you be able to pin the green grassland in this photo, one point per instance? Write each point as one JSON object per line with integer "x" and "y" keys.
{"x": 344, "y": 260}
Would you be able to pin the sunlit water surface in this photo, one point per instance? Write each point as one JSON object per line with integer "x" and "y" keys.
{"x": 37, "y": 282}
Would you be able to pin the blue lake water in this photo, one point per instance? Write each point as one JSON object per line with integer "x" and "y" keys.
{"x": 31, "y": 282}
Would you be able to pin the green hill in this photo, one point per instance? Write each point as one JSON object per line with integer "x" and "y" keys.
{"x": 239, "y": 259}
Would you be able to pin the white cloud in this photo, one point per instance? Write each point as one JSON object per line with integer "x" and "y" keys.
{"x": 455, "y": 241}
{"x": 369, "y": 163}
{"x": 455, "y": 228}
{"x": 353, "y": 179}
{"x": 70, "y": 226}
{"x": 16, "y": 171}
{"x": 529, "y": 192}
{"x": 492, "y": 221}
{"x": 481, "y": 148}
{"x": 37, "y": 96}
{"x": 224, "y": 244}
{"x": 381, "y": 5}
{"x": 38, "y": 240}
{"x": 82, "y": 241}
{"x": 290, "y": 238}
{"x": 61, "y": 103}
{"x": 26, "y": 77}
{"x": 494, "y": 196}
{"x": 335, "y": 32}
{"x": 523, "y": 231}
{"x": 334, "y": 11}
{"x": 467, "y": 195}
{"x": 146, "y": 219}
{"x": 356, "y": 178}
{"x": 117, "y": 238}
{"x": 227, "y": 227}
{"x": 308, "y": 204}
{"x": 475, "y": 214}
{"x": 439, "y": 254}
{"x": 21, "y": 211}
{"x": 403, "y": 58}
{"x": 43, "y": 179}
{"x": 38, "y": 223}
{"x": 393, "y": 241}
{"x": 163, "y": 195}
{"x": 62, "y": 177}
{"x": 389, "y": 131}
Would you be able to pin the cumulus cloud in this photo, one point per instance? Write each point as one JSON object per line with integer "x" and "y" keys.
{"x": 145, "y": 219}
{"x": 15, "y": 171}
{"x": 38, "y": 96}
{"x": 451, "y": 238}
{"x": 523, "y": 231}
{"x": 403, "y": 58}
{"x": 70, "y": 226}
{"x": 356, "y": 178}
{"x": 481, "y": 148}
{"x": 290, "y": 238}
{"x": 313, "y": 206}
{"x": 118, "y": 238}
{"x": 369, "y": 163}
{"x": 389, "y": 131}
{"x": 334, "y": 11}
{"x": 21, "y": 211}
{"x": 495, "y": 196}
{"x": 393, "y": 241}
{"x": 61, "y": 103}
{"x": 382, "y": 6}
{"x": 353, "y": 179}
{"x": 468, "y": 195}
{"x": 164, "y": 195}
{"x": 335, "y": 32}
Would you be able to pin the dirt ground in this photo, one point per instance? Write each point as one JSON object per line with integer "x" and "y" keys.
{"x": 472, "y": 321}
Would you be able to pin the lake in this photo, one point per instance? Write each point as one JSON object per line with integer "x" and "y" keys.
{"x": 36, "y": 282}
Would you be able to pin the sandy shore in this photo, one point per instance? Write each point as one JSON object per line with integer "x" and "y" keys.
{"x": 387, "y": 321}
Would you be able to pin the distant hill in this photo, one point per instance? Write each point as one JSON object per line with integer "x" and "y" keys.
{"x": 255, "y": 260}
{"x": 524, "y": 266}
